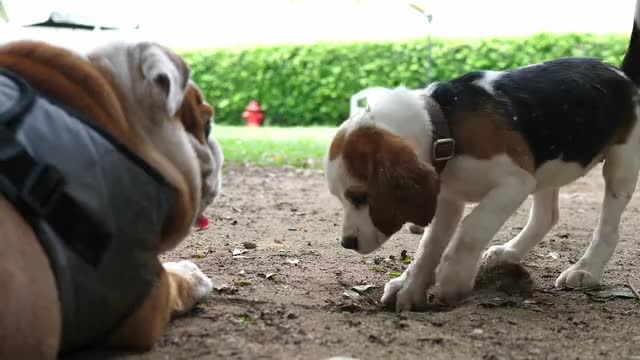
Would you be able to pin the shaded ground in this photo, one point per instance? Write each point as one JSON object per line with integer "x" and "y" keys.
{"x": 300, "y": 312}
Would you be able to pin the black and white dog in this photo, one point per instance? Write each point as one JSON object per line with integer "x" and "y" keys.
{"x": 491, "y": 137}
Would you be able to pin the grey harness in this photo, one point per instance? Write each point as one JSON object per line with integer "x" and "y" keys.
{"x": 97, "y": 208}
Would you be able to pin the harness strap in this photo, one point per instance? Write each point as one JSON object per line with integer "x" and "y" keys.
{"x": 38, "y": 189}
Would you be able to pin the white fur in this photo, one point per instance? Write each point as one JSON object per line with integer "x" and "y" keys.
{"x": 487, "y": 79}
{"x": 400, "y": 111}
{"x": 452, "y": 258}
{"x": 201, "y": 284}
{"x": 134, "y": 67}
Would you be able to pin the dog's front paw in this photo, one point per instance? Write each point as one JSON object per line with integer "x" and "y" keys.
{"x": 578, "y": 276}
{"x": 498, "y": 255}
{"x": 455, "y": 282}
{"x": 199, "y": 286}
{"x": 406, "y": 292}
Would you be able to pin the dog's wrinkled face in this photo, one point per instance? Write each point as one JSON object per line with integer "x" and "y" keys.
{"x": 197, "y": 117}
{"x": 380, "y": 183}
{"x": 169, "y": 115}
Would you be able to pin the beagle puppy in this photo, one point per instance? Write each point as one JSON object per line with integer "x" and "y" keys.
{"x": 492, "y": 138}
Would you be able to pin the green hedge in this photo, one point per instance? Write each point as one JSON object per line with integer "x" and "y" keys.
{"x": 303, "y": 85}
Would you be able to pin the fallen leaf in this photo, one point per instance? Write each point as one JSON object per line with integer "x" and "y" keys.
{"x": 498, "y": 302}
{"x": 362, "y": 288}
{"x": 394, "y": 274}
{"x": 244, "y": 319}
{"x": 236, "y": 252}
{"x": 226, "y": 288}
{"x": 242, "y": 282}
{"x": 293, "y": 261}
{"x": 267, "y": 276}
{"x": 610, "y": 294}
{"x": 202, "y": 253}
{"x": 351, "y": 294}
{"x": 405, "y": 258}
{"x": 378, "y": 268}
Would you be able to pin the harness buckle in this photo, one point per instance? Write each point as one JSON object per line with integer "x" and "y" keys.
{"x": 42, "y": 188}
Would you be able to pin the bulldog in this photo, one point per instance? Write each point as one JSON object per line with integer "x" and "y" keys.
{"x": 106, "y": 162}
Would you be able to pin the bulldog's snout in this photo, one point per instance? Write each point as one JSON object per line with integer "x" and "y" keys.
{"x": 350, "y": 242}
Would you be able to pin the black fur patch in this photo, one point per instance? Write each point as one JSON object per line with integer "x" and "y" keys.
{"x": 569, "y": 108}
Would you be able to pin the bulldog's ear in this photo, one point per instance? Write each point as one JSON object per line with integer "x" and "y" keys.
{"x": 168, "y": 74}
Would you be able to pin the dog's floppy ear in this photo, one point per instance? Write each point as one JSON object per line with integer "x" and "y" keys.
{"x": 400, "y": 187}
{"x": 168, "y": 73}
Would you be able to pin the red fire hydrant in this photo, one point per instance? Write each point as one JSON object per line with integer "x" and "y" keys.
{"x": 253, "y": 113}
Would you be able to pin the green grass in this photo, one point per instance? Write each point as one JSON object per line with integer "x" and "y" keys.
{"x": 296, "y": 146}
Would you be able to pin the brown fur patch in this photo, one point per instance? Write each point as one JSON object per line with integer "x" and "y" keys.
{"x": 195, "y": 113}
{"x": 337, "y": 145}
{"x": 69, "y": 79}
{"x": 400, "y": 187}
{"x": 484, "y": 134}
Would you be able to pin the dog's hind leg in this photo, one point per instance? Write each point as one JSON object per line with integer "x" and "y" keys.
{"x": 30, "y": 319}
{"x": 620, "y": 171}
{"x": 543, "y": 216}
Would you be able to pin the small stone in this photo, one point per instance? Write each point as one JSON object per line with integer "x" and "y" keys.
{"x": 291, "y": 316}
{"x": 416, "y": 229}
{"x": 249, "y": 245}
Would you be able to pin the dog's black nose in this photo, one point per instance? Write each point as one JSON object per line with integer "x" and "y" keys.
{"x": 350, "y": 242}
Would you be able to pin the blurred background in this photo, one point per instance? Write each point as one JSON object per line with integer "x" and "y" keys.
{"x": 283, "y": 73}
{"x": 215, "y": 23}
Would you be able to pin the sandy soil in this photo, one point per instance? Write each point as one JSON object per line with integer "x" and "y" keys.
{"x": 284, "y": 299}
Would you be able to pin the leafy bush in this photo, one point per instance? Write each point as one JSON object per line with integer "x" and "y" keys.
{"x": 312, "y": 84}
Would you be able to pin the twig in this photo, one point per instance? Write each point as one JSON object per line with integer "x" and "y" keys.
{"x": 633, "y": 289}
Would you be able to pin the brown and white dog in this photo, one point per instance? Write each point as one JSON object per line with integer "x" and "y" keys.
{"x": 494, "y": 138}
{"x": 141, "y": 94}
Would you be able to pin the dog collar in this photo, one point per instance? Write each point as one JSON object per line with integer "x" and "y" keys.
{"x": 443, "y": 146}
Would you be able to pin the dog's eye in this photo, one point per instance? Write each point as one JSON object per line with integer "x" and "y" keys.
{"x": 357, "y": 197}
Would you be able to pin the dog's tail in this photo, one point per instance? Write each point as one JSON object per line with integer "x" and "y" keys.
{"x": 631, "y": 62}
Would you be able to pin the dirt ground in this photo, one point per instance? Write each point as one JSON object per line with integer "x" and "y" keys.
{"x": 284, "y": 299}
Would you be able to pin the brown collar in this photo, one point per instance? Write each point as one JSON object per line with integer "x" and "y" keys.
{"x": 444, "y": 145}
